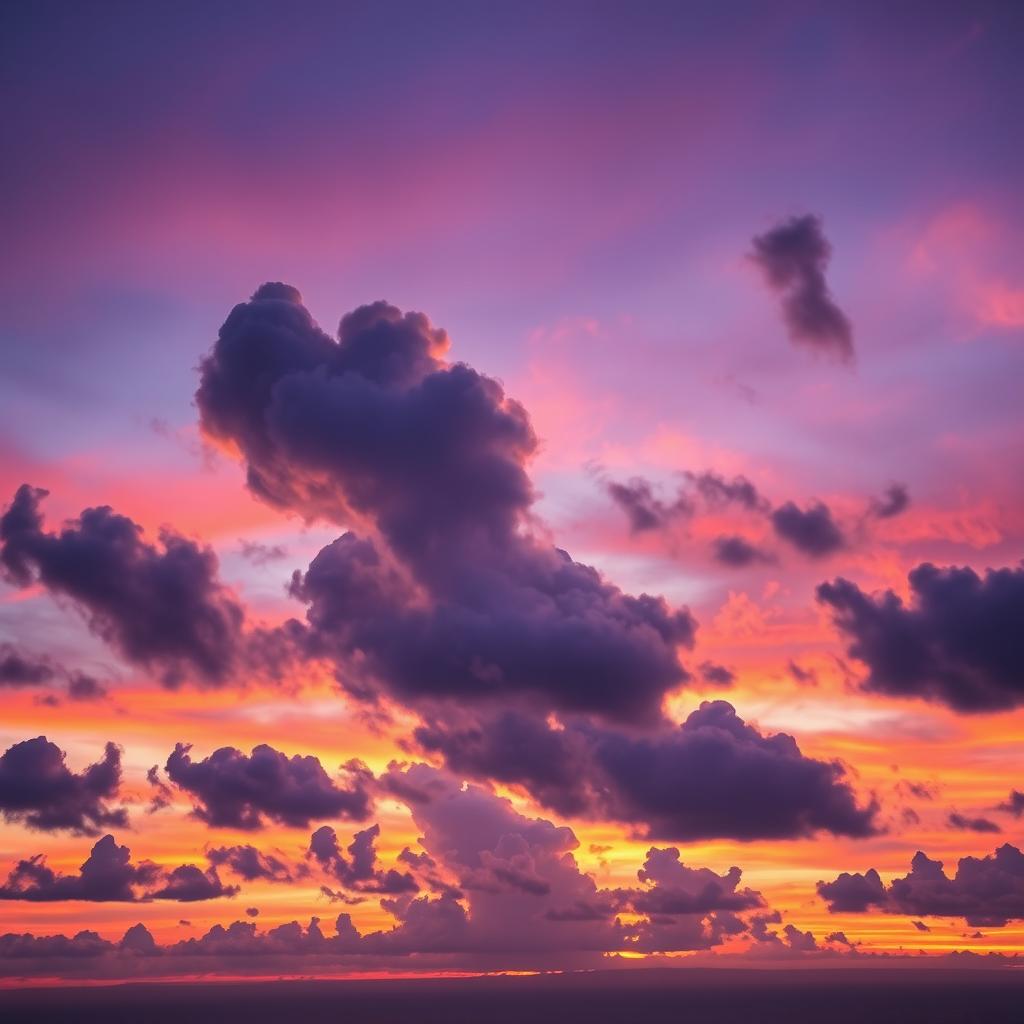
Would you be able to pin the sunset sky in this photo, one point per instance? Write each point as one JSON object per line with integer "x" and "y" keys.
{"x": 540, "y": 481}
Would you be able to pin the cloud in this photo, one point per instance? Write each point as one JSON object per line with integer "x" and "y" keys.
{"x": 236, "y": 790}
{"x": 958, "y": 643}
{"x": 358, "y": 871}
{"x": 965, "y": 824}
{"x": 249, "y": 863}
{"x": 736, "y": 552}
{"x": 645, "y": 511}
{"x": 853, "y": 893}
{"x": 449, "y": 593}
{"x": 985, "y": 891}
{"x": 39, "y": 790}
{"x": 895, "y": 500}
{"x": 811, "y": 531}
{"x": 83, "y": 687}
{"x": 161, "y": 607}
{"x": 793, "y": 257}
{"x": 189, "y": 884}
{"x": 20, "y": 669}
{"x": 717, "y": 491}
{"x": 1014, "y": 804}
{"x": 716, "y": 675}
{"x": 108, "y": 875}
{"x": 712, "y": 777}
{"x": 525, "y": 891}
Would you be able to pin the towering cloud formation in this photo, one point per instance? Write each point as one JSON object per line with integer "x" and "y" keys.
{"x": 161, "y": 607}
{"x": 452, "y": 595}
{"x": 793, "y": 257}
{"x": 237, "y": 790}
{"x": 38, "y": 789}
{"x": 960, "y": 643}
{"x": 985, "y": 891}
{"x": 712, "y": 777}
{"x": 525, "y": 891}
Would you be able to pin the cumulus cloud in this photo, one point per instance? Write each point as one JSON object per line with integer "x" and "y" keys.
{"x": 985, "y": 891}
{"x": 449, "y": 594}
{"x": 712, "y": 777}
{"x": 236, "y": 790}
{"x": 958, "y": 642}
{"x": 793, "y": 256}
{"x": 811, "y": 531}
{"x": 525, "y": 890}
{"x": 359, "y": 870}
{"x": 108, "y": 875}
{"x": 161, "y": 607}
{"x": 39, "y": 790}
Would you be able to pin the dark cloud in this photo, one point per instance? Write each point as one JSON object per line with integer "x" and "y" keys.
{"x": 646, "y": 511}
{"x": 189, "y": 884}
{"x": 563, "y": 636}
{"x": 1014, "y": 804}
{"x": 162, "y": 795}
{"x": 716, "y": 675}
{"x": 84, "y": 944}
{"x": 453, "y": 595}
{"x": 20, "y": 669}
{"x": 793, "y": 258}
{"x": 83, "y": 687}
{"x": 249, "y": 863}
{"x": 712, "y": 777}
{"x": 959, "y": 642}
{"x": 811, "y": 531}
{"x": 38, "y": 789}
{"x": 359, "y": 870}
{"x": 985, "y": 891}
{"x": 853, "y": 893}
{"x": 895, "y": 500}
{"x": 965, "y": 824}
{"x": 920, "y": 926}
{"x": 252, "y": 911}
{"x": 717, "y": 491}
{"x": 678, "y": 889}
{"x": 737, "y": 553}
{"x": 161, "y": 607}
{"x": 236, "y": 790}
{"x": 108, "y": 875}
{"x": 643, "y": 509}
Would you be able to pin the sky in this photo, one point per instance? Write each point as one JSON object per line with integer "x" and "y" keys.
{"x": 509, "y": 487}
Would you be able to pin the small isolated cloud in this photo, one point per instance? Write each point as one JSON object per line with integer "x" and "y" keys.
{"x": 793, "y": 258}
